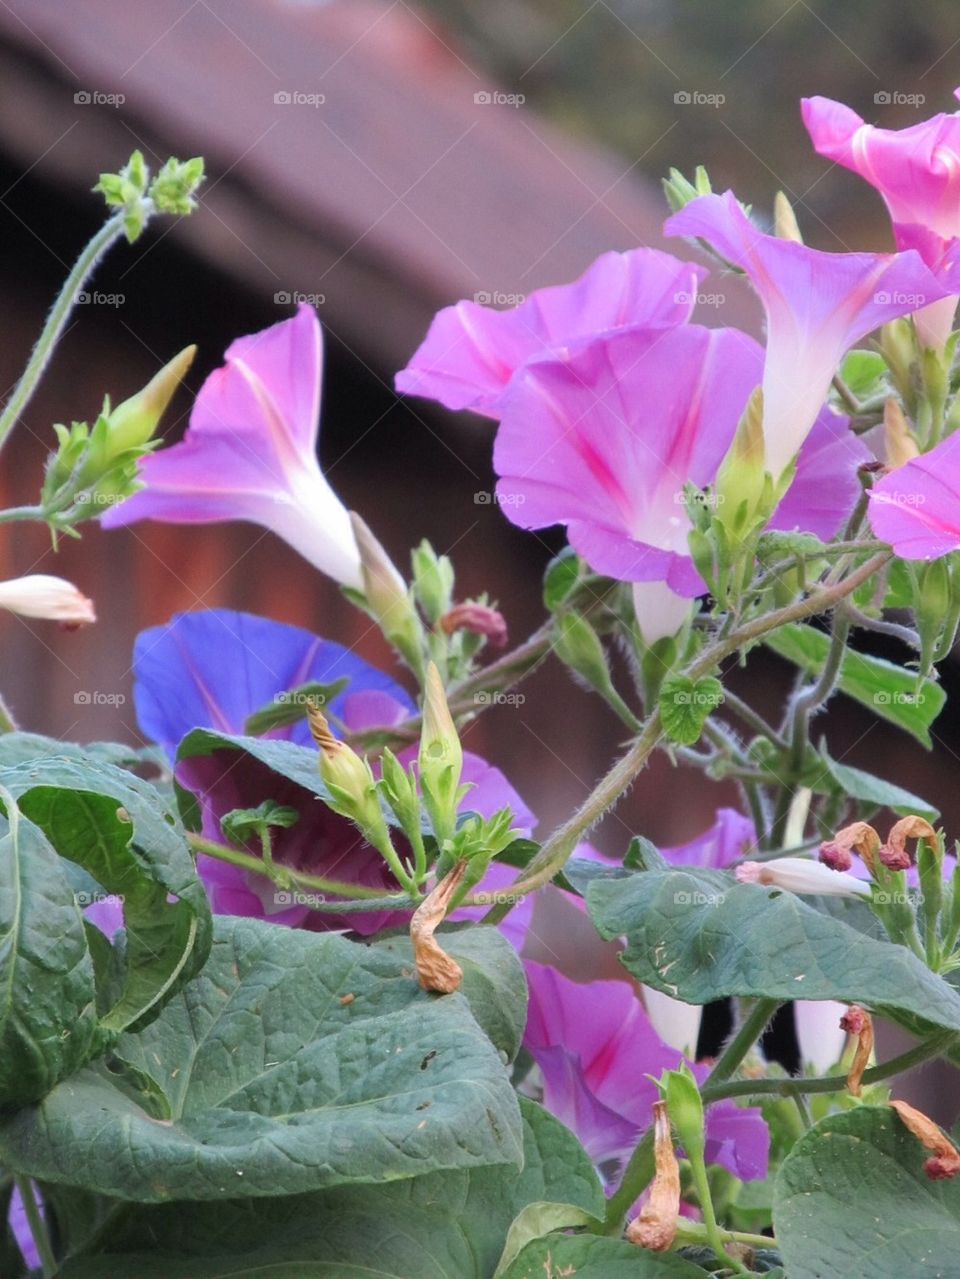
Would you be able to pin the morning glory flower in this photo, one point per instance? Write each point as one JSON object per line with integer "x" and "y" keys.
{"x": 916, "y": 170}
{"x": 595, "y": 1072}
{"x": 604, "y": 438}
{"x": 20, "y": 1228}
{"x": 818, "y": 305}
{"x": 250, "y": 452}
{"x": 802, "y": 875}
{"x": 51, "y": 598}
{"x": 916, "y": 508}
{"x": 471, "y": 351}
{"x": 213, "y": 669}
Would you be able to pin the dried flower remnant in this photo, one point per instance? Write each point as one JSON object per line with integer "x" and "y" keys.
{"x": 479, "y": 619}
{"x": 436, "y": 969}
{"x": 857, "y": 1021}
{"x": 656, "y": 1226}
{"x": 894, "y": 854}
{"x": 944, "y": 1161}
{"x": 837, "y": 853}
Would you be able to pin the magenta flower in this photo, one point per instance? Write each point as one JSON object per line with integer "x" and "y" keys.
{"x": 916, "y": 170}
{"x": 604, "y": 438}
{"x": 817, "y": 306}
{"x": 471, "y": 351}
{"x": 916, "y": 508}
{"x": 250, "y": 452}
{"x": 595, "y": 1049}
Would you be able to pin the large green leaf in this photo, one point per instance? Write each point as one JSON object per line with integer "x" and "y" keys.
{"x": 852, "y": 1199}
{"x": 856, "y": 784}
{"x": 435, "y": 1226}
{"x": 295, "y": 1061}
{"x": 887, "y": 689}
{"x": 700, "y": 936}
{"x": 590, "y": 1257}
{"x": 48, "y": 1016}
{"x": 128, "y": 839}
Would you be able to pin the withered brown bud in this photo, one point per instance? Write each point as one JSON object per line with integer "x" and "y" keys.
{"x": 656, "y": 1226}
{"x": 436, "y": 969}
{"x": 895, "y": 854}
{"x": 945, "y": 1160}
{"x": 479, "y": 619}
{"x": 859, "y": 837}
{"x": 939, "y": 1169}
{"x": 857, "y": 1021}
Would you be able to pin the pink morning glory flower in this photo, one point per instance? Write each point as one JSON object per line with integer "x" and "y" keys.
{"x": 595, "y": 1049}
{"x": 916, "y": 170}
{"x": 916, "y": 508}
{"x": 250, "y": 452}
{"x": 471, "y": 351}
{"x": 817, "y": 306}
{"x": 604, "y": 438}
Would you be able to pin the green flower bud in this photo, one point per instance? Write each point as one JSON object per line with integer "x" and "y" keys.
{"x": 387, "y": 598}
{"x": 133, "y": 423}
{"x": 685, "y": 1108}
{"x": 441, "y": 758}
{"x": 432, "y": 581}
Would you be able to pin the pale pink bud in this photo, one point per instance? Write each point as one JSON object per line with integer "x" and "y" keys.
{"x": 800, "y": 875}
{"x": 52, "y": 598}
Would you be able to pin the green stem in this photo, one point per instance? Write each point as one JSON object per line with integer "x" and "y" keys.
{"x": 636, "y": 1177}
{"x": 14, "y": 513}
{"x": 693, "y": 1232}
{"x": 747, "y": 715}
{"x": 281, "y": 875}
{"x": 753, "y": 1026}
{"x": 803, "y": 1110}
{"x": 557, "y": 849}
{"x": 110, "y": 232}
{"x": 38, "y": 1228}
{"x": 702, "y": 1185}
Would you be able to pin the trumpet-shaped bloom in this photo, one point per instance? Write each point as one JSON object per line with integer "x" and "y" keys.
{"x": 916, "y": 170}
{"x": 250, "y": 452}
{"x": 51, "y": 598}
{"x": 605, "y": 438}
{"x": 916, "y": 508}
{"x": 213, "y": 670}
{"x": 471, "y": 351}
{"x": 595, "y": 1049}
{"x": 817, "y": 306}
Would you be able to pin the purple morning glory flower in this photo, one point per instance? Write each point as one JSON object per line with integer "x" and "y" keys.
{"x": 471, "y": 351}
{"x": 916, "y": 508}
{"x": 250, "y": 452}
{"x": 20, "y": 1228}
{"x": 213, "y": 670}
{"x": 596, "y": 1048}
{"x": 818, "y": 305}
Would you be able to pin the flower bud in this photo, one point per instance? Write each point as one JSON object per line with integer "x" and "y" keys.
{"x": 440, "y": 759}
{"x": 479, "y": 619}
{"x": 133, "y": 422}
{"x": 432, "y": 581}
{"x": 347, "y": 776}
{"x": 899, "y": 445}
{"x": 685, "y": 1107}
{"x": 799, "y": 875}
{"x": 52, "y": 598}
{"x": 785, "y": 225}
{"x": 744, "y": 489}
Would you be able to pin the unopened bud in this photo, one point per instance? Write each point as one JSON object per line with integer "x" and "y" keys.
{"x": 479, "y": 619}
{"x": 894, "y": 854}
{"x": 799, "y": 875}
{"x": 656, "y": 1226}
{"x": 347, "y": 776}
{"x": 899, "y": 445}
{"x": 856, "y": 1021}
{"x": 837, "y": 853}
{"x": 785, "y": 226}
{"x": 436, "y": 969}
{"x": 685, "y": 1107}
{"x": 51, "y": 598}
{"x": 387, "y": 597}
{"x": 440, "y": 758}
{"x": 432, "y": 581}
{"x": 133, "y": 423}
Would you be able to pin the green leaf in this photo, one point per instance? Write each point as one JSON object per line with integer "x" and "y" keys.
{"x": 291, "y": 707}
{"x": 241, "y": 824}
{"x": 535, "y": 1221}
{"x": 685, "y": 705}
{"x": 865, "y": 373}
{"x": 442, "y": 1225}
{"x": 856, "y": 784}
{"x": 295, "y": 1061}
{"x": 590, "y": 1257}
{"x": 294, "y": 763}
{"x": 852, "y": 1199}
{"x": 561, "y": 577}
{"x": 887, "y": 689}
{"x": 493, "y": 980}
{"x": 699, "y": 936}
